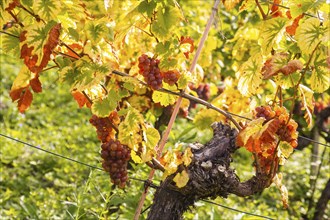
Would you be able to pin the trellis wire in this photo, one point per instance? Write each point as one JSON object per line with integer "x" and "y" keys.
{"x": 133, "y": 178}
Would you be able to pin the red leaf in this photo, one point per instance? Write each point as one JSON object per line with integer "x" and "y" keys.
{"x": 274, "y": 10}
{"x": 291, "y": 29}
{"x": 187, "y": 40}
{"x": 81, "y": 99}
{"x": 36, "y": 84}
{"x": 16, "y": 94}
{"x": 30, "y": 59}
{"x": 25, "y": 100}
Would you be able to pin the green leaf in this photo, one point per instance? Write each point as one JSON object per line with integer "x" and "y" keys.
{"x": 151, "y": 137}
{"x": 163, "y": 98}
{"x": 270, "y": 33}
{"x": 147, "y": 7}
{"x": 47, "y": 9}
{"x": 10, "y": 44}
{"x": 204, "y": 118}
{"x": 166, "y": 19}
{"x": 103, "y": 108}
{"x": 310, "y": 33}
{"x": 251, "y": 76}
{"x": 95, "y": 31}
{"x": 83, "y": 74}
{"x": 285, "y": 149}
{"x": 298, "y": 7}
{"x": 129, "y": 129}
{"x": 320, "y": 74}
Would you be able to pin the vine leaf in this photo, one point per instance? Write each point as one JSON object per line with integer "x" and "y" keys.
{"x": 310, "y": 33}
{"x": 47, "y": 9}
{"x": 36, "y": 84}
{"x": 129, "y": 129}
{"x": 250, "y": 75}
{"x": 95, "y": 31}
{"x": 24, "y": 100}
{"x": 103, "y": 107}
{"x": 23, "y": 79}
{"x": 37, "y": 42}
{"x": 205, "y": 117}
{"x": 10, "y": 44}
{"x": 308, "y": 103}
{"x": 320, "y": 74}
{"x": 181, "y": 179}
{"x": 151, "y": 137}
{"x": 81, "y": 99}
{"x": 284, "y": 192}
{"x": 270, "y": 32}
{"x": 166, "y": 20}
{"x": 298, "y": 7}
{"x": 284, "y": 151}
{"x": 83, "y": 73}
{"x": 164, "y": 99}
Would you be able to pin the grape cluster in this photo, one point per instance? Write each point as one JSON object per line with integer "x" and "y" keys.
{"x": 115, "y": 157}
{"x": 149, "y": 69}
{"x": 103, "y": 126}
{"x": 171, "y": 77}
{"x": 203, "y": 92}
{"x": 281, "y": 126}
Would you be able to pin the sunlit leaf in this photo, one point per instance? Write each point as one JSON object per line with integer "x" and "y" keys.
{"x": 310, "y": 33}
{"x": 250, "y": 75}
{"x": 166, "y": 19}
{"x": 307, "y": 97}
{"x": 181, "y": 179}
{"x": 163, "y": 98}
{"x": 271, "y": 32}
{"x": 320, "y": 81}
{"x": 103, "y": 107}
{"x": 151, "y": 137}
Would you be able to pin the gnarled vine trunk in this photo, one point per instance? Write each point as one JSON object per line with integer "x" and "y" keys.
{"x": 210, "y": 176}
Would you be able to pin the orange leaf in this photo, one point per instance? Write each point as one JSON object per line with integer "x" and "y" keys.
{"x": 81, "y": 99}
{"x": 291, "y": 29}
{"x": 36, "y": 84}
{"x": 25, "y": 100}
{"x": 16, "y": 94}
{"x": 187, "y": 40}
{"x": 275, "y": 10}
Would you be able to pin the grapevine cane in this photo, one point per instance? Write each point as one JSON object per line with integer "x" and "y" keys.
{"x": 176, "y": 108}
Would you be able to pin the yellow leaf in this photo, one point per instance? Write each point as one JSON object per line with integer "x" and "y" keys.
{"x": 23, "y": 78}
{"x": 250, "y": 75}
{"x": 307, "y": 97}
{"x": 135, "y": 157}
{"x": 181, "y": 179}
{"x": 187, "y": 157}
{"x": 310, "y": 33}
{"x": 164, "y": 99}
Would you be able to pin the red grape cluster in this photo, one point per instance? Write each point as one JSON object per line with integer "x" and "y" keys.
{"x": 203, "y": 92}
{"x": 149, "y": 69}
{"x": 103, "y": 126}
{"x": 171, "y": 77}
{"x": 115, "y": 157}
{"x": 282, "y": 126}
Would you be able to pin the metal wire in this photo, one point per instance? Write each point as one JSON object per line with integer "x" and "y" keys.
{"x": 236, "y": 210}
{"x": 133, "y": 178}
